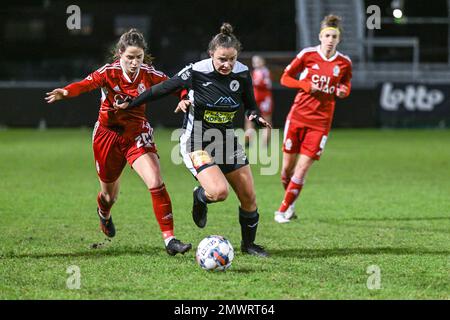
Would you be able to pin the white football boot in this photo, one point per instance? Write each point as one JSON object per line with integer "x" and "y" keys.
{"x": 279, "y": 217}
{"x": 290, "y": 213}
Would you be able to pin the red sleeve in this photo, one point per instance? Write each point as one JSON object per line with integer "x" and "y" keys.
{"x": 346, "y": 80}
{"x": 290, "y": 82}
{"x": 91, "y": 82}
{"x": 183, "y": 93}
{"x": 157, "y": 77}
{"x": 288, "y": 79}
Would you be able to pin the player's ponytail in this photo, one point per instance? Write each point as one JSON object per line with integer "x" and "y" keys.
{"x": 132, "y": 38}
{"x": 226, "y": 29}
{"x": 225, "y": 39}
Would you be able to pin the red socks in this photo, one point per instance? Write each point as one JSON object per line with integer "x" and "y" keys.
{"x": 291, "y": 194}
{"x": 162, "y": 206}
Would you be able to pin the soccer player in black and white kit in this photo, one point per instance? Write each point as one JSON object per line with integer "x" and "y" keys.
{"x": 217, "y": 87}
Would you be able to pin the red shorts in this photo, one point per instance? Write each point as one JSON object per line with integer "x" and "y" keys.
{"x": 112, "y": 150}
{"x": 304, "y": 140}
{"x": 265, "y": 106}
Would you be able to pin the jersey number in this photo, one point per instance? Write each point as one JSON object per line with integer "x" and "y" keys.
{"x": 144, "y": 140}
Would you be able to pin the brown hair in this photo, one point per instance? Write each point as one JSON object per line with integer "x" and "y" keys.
{"x": 225, "y": 39}
{"x": 131, "y": 38}
{"x": 333, "y": 21}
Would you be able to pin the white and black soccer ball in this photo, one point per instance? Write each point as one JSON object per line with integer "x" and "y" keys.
{"x": 215, "y": 253}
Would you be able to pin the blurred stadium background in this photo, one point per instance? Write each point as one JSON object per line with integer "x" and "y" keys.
{"x": 401, "y": 70}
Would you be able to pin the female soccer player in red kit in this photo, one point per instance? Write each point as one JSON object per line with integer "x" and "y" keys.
{"x": 262, "y": 88}
{"x": 122, "y": 136}
{"x": 324, "y": 74}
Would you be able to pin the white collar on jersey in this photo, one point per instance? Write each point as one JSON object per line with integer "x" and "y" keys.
{"x": 323, "y": 56}
{"x": 124, "y": 71}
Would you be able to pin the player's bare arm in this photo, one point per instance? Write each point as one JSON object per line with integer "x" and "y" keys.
{"x": 183, "y": 105}
{"x": 56, "y": 94}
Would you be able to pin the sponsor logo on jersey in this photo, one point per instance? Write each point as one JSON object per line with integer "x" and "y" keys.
{"x": 225, "y": 102}
{"x": 234, "y": 85}
{"x": 116, "y": 89}
{"x": 413, "y": 98}
{"x": 205, "y": 84}
{"x": 336, "y": 71}
{"x": 185, "y": 75}
{"x": 323, "y": 82}
{"x": 315, "y": 67}
{"x": 218, "y": 116}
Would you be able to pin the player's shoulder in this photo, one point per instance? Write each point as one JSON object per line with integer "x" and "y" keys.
{"x": 150, "y": 70}
{"x": 344, "y": 57}
{"x": 239, "y": 67}
{"x": 109, "y": 67}
{"x": 306, "y": 52}
{"x": 203, "y": 66}
{"x": 206, "y": 66}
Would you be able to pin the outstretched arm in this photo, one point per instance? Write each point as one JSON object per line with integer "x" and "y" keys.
{"x": 91, "y": 82}
{"x": 162, "y": 89}
{"x": 56, "y": 94}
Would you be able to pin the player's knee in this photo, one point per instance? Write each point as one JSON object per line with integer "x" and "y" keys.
{"x": 302, "y": 170}
{"x": 249, "y": 200}
{"x": 287, "y": 171}
{"x": 286, "y": 174}
{"x": 154, "y": 182}
{"x": 109, "y": 198}
{"x": 219, "y": 193}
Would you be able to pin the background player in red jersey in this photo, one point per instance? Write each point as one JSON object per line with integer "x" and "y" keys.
{"x": 262, "y": 87}
{"x": 122, "y": 136}
{"x": 324, "y": 74}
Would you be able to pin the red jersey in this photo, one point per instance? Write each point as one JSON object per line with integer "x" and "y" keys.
{"x": 116, "y": 84}
{"x": 262, "y": 84}
{"x": 316, "y": 109}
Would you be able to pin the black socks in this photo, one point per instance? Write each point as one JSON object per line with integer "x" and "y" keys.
{"x": 249, "y": 225}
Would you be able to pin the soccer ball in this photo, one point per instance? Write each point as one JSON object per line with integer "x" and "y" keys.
{"x": 214, "y": 253}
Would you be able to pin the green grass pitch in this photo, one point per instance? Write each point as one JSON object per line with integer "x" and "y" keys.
{"x": 376, "y": 198}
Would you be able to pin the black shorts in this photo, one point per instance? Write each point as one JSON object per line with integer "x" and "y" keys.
{"x": 229, "y": 156}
